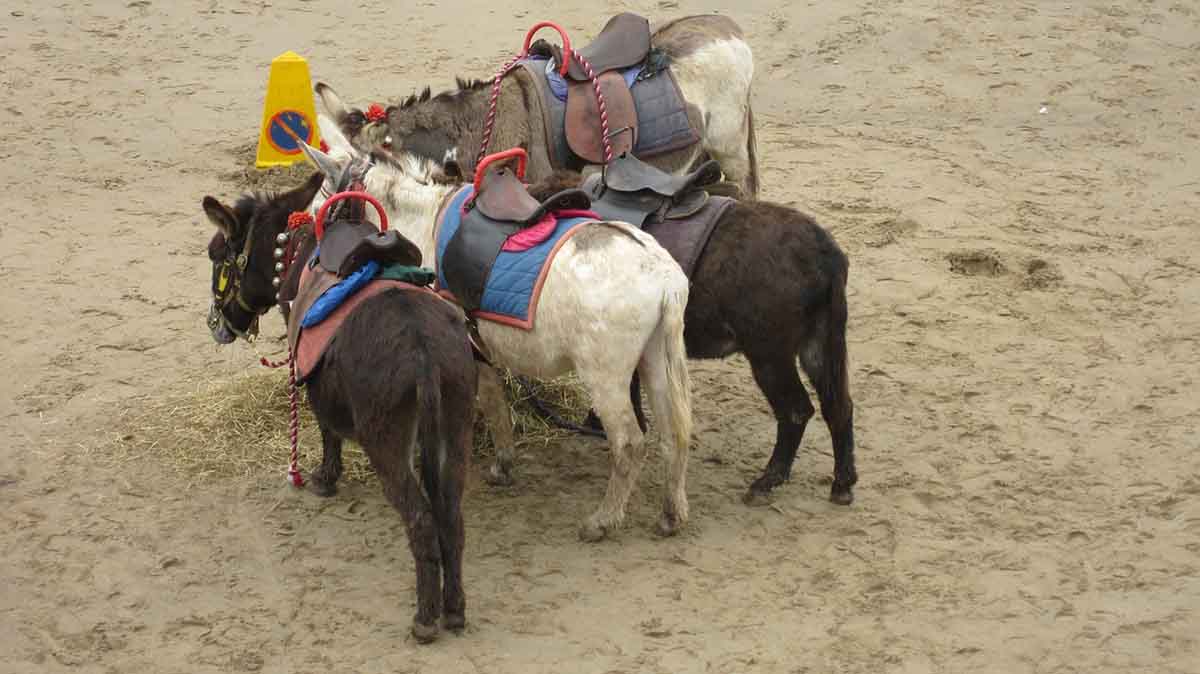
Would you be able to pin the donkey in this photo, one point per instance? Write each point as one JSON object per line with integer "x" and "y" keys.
{"x": 770, "y": 283}
{"x": 612, "y": 302}
{"x": 398, "y": 378}
{"x": 708, "y": 58}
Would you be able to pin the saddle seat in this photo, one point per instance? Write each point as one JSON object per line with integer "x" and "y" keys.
{"x": 349, "y": 244}
{"x": 622, "y": 43}
{"x": 503, "y": 198}
{"x": 633, "y": 191}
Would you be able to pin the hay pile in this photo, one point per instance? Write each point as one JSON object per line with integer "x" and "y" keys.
{"x": 239, "y": 428}
{"x": 275, "y": 179}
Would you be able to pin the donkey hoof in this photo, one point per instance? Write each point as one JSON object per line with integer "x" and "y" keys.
{"x": 841, "y": 495}
{"x": 455, "y": 622}
{"x": 668, "y": 525}
{"x": 592, "y": 531}
{"x": 499, "y": 477}
{"x": 424, "y": 633}
{"x": 593, "y": 421}
{"x": 757, "y": 498}
{"x": 321, "y": 488}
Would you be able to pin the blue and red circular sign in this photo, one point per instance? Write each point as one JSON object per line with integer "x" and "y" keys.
{"x": 287, "y": 129}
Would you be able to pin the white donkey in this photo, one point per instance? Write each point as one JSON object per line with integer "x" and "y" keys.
{"x": 612, "y": 302}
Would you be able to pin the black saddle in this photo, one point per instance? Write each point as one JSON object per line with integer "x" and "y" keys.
{"x": 633, "y": 191}
{"x": 502, "y": 207}
{"x": 349, "y": 244}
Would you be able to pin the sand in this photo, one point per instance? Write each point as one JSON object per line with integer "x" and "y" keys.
{"x": 1016, "y": 185}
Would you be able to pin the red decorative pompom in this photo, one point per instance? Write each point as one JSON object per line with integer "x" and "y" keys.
{"x": 299, "y": 219}
{"x": 324, "y": 146}
{"x": 376, "y": 113}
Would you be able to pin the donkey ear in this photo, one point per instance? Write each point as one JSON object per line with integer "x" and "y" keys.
{"x": 332, "y": 102}
{"x": 324, "y": 163}
{"x": 222, "y": 217}
{"x": 302, "y": 197}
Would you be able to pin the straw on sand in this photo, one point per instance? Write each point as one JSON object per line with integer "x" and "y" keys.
{"x": 238, "y": 427}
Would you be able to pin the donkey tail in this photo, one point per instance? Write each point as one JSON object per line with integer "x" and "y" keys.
{"x": 752, "y": 153}
{"x": 429, "y": 430}
{"x": 835, "y": 380}
{"x": 679, "y": 387}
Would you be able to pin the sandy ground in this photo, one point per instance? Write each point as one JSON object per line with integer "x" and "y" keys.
{"x": 1016, "y": 184}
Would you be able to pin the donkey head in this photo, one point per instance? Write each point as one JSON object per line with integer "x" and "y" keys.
{"x": 245, "y": 275}
{"x": 424, "y": 125}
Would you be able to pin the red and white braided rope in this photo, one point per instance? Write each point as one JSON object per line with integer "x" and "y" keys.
{"x": 293, "y": 474}
{"x": 490, "y": 121}
{"x": 591, "y": 73}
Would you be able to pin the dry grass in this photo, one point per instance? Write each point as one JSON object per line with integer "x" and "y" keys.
{"x": 239, "y": 428}
{"x": 275, "y": 179}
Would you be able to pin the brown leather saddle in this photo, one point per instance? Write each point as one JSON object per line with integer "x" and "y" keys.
{"x": 500, "y": 208}
{"x": 622, "y": 43}
{"x": 633, "y": 191}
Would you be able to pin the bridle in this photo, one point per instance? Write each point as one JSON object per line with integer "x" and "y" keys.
{"x": 228, "y": 291}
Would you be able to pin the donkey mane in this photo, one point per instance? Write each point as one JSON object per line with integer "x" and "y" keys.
{"x": 414, "y": 99}
{"x": 461, "y": 86}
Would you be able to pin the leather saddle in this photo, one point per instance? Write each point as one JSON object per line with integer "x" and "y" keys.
{"x": 622, "y": 43}
{"x": 633, "y": 191}
{"x": 502, "y": 207}
{"x": 349, "y": 244}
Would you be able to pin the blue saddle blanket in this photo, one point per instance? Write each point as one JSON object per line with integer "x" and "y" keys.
{"x": 512, "y": 287}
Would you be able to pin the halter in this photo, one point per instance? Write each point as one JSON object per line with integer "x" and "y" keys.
{"x": 229, "y": 291}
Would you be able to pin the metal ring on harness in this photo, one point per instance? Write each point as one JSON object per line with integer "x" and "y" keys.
{"x": 319, "y": 227}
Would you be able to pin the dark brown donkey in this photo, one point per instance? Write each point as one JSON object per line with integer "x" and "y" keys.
{"x": 397, "y": 377}
{"x": 770, "y": 283}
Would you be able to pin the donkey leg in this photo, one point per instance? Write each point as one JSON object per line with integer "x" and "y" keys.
{"x": 627, "y": 449}
{"x": 396, "y": 467}
{"x": 494, "y": 405}
{"x": 779, "y": 380}
{"x": 828, "y": 375}
{"x": 324, "y": 479}
{"x": 451, "y": 536}
{"x": 421, "y": 527}
{"x": 635, "y": 395}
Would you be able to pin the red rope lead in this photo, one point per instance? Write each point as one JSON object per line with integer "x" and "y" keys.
{"x": 490, "y": 122}
{"x": 274, "y": 364}
{"x": 591, "y": 73}
{"x": 293, "y": 474}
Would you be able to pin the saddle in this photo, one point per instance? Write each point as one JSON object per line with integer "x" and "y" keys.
{"x": 633, "y": 191}
{"x": 349, "y": 244}
{"x": 622, "y": 43}
{"x": 501, "y": 207}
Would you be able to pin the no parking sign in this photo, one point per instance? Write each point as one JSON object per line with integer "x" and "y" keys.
{"x": 287, "y": 128}
{"x": 289, "y": 116}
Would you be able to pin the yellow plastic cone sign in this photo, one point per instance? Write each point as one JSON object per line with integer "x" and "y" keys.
{"x": 289, "y": 116}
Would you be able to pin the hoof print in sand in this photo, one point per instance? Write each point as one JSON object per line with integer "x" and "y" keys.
{"x": 976, "y": 263}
